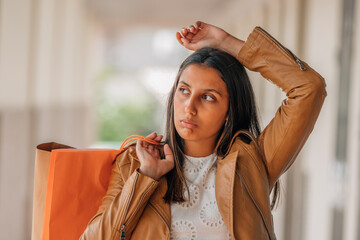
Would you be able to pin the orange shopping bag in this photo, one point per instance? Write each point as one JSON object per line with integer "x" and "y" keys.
{"x": 77, "y": 181}
{"x": 41, "y": 173}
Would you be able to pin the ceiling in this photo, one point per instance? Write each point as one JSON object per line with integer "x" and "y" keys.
{"x": 167, "y": 13}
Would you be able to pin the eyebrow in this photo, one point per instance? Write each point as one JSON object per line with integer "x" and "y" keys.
{"x": 207, "y": 89}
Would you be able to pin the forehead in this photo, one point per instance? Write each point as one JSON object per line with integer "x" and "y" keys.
{"x": 198, "y": 75}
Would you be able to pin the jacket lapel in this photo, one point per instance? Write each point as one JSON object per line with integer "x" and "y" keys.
{"x": 255, "y": 187}
{"x": 224, "y": 188}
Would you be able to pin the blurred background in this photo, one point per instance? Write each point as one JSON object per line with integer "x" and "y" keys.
{"x": 88, "y": 73}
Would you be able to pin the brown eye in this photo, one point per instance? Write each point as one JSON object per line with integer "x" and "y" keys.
{"x": 183, "y": 90}
{"x": 209, "y": 98}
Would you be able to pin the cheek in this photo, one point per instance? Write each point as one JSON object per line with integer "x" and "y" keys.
{"x": 217, "y": 118}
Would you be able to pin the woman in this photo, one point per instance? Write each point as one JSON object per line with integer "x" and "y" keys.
{"x": 217, "y": 170}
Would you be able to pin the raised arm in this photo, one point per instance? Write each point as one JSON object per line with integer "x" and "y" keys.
{"x": 285, "y": 135}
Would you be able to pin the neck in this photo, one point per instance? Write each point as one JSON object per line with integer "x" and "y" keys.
{"x": 199, "y": 148}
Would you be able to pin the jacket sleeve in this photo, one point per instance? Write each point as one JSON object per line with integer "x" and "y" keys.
{"x": 285, "y": 135}
{"x": 123, "y": 203}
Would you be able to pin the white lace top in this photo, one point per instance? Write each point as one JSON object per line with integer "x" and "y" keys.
{"x": 198, "y": 218}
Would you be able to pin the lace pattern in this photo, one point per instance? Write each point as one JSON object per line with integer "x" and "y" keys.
{"x": 199, "y": 216}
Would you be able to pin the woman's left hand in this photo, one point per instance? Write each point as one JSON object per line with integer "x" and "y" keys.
{"x": 201, "y": 35}
{"x": 151, "y": 163}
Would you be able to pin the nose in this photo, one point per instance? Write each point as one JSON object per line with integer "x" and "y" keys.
{"x": 190, "y": 106}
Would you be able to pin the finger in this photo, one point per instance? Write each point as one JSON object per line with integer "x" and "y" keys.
{"x": 144, "y": 144}
{"x": 185, "y": 42}
{"x": 169, "y": 157}
{"x": 183, "y": 39}
{"x": 190, "y": 35}
{"x": 194, "y": 27}
{"x": 193, "y": 32}
{"x": 139, "y": 143}
{"x": 168, "y": 153}
{"x": 200, "y": 25}
{"x": 184, "y": 31}
{"x": 138, "y": 147}
{"x": 178, "y": 37}
{"x": 151, "y": 135}
{"x": 158, "y": 138}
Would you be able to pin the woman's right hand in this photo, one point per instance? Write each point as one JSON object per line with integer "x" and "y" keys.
{"x": 201, "y": 35}
{"x": 149, "y": 156}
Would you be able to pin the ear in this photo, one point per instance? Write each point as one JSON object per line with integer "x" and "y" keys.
{"x": 226, "y": 120}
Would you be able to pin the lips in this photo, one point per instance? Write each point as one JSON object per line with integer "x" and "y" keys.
{"x": 188, "y": 124}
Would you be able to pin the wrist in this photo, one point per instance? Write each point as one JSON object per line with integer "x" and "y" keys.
{"x": 147, "y": 174}
{"x": 232, "y": 45}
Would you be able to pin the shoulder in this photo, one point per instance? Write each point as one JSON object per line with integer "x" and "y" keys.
{"x": 127, "y": 162}
{"x": 248, "y": 147}
{"x": 127, "y": 156}
{"x": 243, "y": 139}
{"x": 250, "y": 157}
{"x": 241, "y": 143}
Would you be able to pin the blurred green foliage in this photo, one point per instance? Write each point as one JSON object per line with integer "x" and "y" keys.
{"x": 116, "y": 122}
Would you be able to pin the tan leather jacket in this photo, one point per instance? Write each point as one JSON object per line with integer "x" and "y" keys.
{"x": 134, "y": 205}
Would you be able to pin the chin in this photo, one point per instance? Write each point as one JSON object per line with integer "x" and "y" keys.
{"x": 190, "y": 135}
{"x": 185, "y": 134}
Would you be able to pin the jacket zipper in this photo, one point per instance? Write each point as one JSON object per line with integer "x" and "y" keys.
{"x": 122, "y": 229}
{"x": 287, "y": 51}
{"x": 160, "y": 217}
{"x": 122, "y": 237}
{"x": 258, "y": 208}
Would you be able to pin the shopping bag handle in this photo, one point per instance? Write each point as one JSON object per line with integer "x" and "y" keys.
{"x": 125, "y": 145}
{"x": 135, "y": 138}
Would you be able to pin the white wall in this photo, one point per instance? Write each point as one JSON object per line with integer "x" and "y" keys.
{"x": 49, "y": 54}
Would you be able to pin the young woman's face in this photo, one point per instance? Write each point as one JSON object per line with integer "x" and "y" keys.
{"x": 200, "y": 104}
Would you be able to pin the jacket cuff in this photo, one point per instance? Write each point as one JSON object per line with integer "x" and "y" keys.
{"x": 246, "y": 52}
{"x": 145, "y": 178}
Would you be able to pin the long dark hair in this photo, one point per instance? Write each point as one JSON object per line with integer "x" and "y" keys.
{"x": 242, "y": 115}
